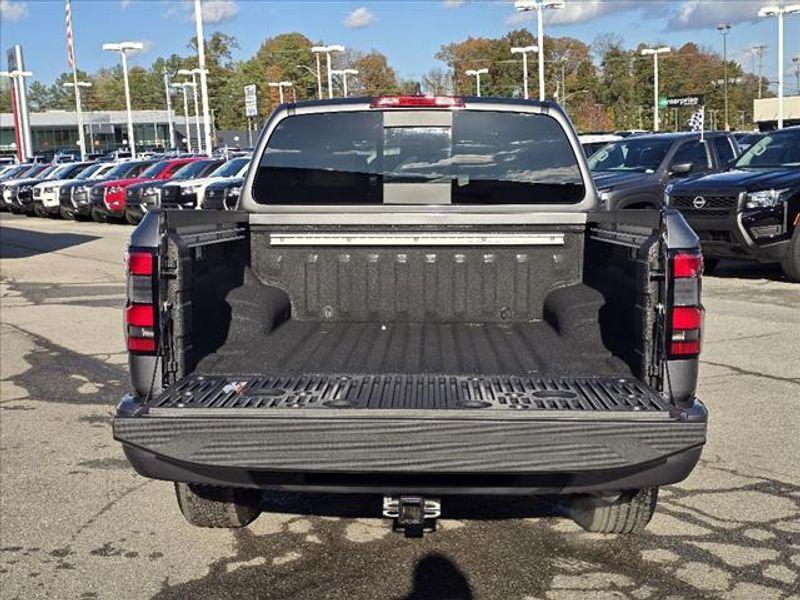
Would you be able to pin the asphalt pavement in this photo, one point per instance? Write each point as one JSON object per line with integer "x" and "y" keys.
{"x": 77, "y": 522}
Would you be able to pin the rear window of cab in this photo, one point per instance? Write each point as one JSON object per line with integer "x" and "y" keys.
{"x": 459, "y": 157}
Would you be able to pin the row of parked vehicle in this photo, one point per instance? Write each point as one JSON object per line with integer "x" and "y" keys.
{"x": 742, "y": 198}
{"x": 124, "y": 189}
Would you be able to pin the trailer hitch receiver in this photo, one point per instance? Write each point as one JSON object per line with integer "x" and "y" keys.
{"x": 413, "y": 515}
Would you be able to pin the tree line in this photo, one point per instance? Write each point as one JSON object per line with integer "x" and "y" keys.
{"x": 604, "y": 86}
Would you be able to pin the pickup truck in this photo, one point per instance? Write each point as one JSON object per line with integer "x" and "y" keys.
{"x": 633, "y": 172}
{"x": 752, "y": 212}
{"x": 417, "y": 297}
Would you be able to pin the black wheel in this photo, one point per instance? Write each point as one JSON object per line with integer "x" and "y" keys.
{"x": 132, "y": 219}
{"x": 68, "y": 214}
{"x": 791, "y": 262}
{"x": 99, "y": 217}
{"x": 210, "y": 506}
{"x": 39, "y": 211}
{"x": 628, "y": 513}
{"x": 709, "y": 264}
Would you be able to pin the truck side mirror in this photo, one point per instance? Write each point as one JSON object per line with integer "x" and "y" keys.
{"x": 681, "y": 169}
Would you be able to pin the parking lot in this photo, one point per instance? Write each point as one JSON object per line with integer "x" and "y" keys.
{"x": 77, "y": 522}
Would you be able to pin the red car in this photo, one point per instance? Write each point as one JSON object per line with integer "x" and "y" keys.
{"x": 108, "y": 198}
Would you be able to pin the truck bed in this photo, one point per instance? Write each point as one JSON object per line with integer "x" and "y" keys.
{"x": 522, "y": 349}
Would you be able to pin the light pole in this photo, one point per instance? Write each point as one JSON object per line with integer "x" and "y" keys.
{"x": 779, "y": 12}
{"x": 201, "y": 64}
{"x": 476, "y": 73}
{"x": 524, "y": 51}
{"x": 539, "y": 6}
{"x": 316, "y": 51}
{"x": 169, "y": 111}
{"x": 77, "y": 85}
{"x": 326, "y": 50}
{"x": 725, "y": 29}
{"x": 123, "y": 48}
{"x": 343, "y": 73}
{"x": 188, "y": 139}
{"x": 280, "y": 85}
{"x": 193, "y": 74}
{"x": 654, "y": 52}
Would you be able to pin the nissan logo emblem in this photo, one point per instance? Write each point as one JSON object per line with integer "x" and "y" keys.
{"x": 699, "y": 202}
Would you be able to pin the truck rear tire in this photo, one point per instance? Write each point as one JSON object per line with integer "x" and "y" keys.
{"x": 629, "y": 513}
{"x": 210, "y": 506}
{"x": 791, "y": 262}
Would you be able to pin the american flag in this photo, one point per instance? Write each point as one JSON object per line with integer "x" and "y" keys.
{"x": 70, "y": 47}
{"x": 697, "y": 120}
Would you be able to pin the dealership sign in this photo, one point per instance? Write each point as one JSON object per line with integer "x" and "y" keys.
{"x": 680, "y": 101}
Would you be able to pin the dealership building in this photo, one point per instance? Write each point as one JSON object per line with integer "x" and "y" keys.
{"x": 56, "y": 130}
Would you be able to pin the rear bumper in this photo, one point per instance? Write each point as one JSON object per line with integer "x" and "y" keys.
{"x": 392, "y": 451}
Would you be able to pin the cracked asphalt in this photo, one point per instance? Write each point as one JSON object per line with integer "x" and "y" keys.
{"x": 76, "y": 522}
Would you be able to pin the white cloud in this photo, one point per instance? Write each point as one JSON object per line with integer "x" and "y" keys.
{"x": 218, "y": 11}
{"x": 125, "y": 3}
{"x": 214, "y": 11}
{"x": 453, "y": 3}
{"x": 700, "y": 14}
{"x": 13, "y": 11}
{"x": 359, "y": 18}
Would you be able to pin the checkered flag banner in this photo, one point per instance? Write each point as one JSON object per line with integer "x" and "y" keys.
{"x": 697, "y": 120}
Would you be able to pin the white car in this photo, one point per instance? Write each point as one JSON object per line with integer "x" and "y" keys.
{"x": 592, "y": 142}
{"x": 45, "y": 194}
{"x": 188, "y": 193}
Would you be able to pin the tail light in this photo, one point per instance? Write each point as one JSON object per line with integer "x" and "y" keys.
{"x": 417, "y": 102}
{"x": 686, "y": 316}
{"x": 141, "y": 315}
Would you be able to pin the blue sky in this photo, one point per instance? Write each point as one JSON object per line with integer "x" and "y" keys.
{"x": 408, "y": 32}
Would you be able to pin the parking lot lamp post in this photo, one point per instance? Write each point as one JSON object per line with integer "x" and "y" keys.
{"x": 326, "y": 50}
{"x": 79, "y": 112}
{"x": 193, "y": 74}
{"x": 476, "y": 73}
{"x": 188, "y": 139}
{"x": 779, "y": 12}
{"x": 343, "y": 73}
{"x": 654, "y": 52}
{"x": 169, "y": 111}
{"x": 203, "y": 72}
{"x": 524, "y": 51}
{"x": 539, "y": 6}
{"x": 725, "y": 29}
{"x": 123, "y": 48}
{"x": 280, "y": 85}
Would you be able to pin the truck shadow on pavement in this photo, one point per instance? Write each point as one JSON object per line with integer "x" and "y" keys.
{"x": 24, "y": 243}
{"x": 742, "y": 269}
{"x": 731, "y": 541}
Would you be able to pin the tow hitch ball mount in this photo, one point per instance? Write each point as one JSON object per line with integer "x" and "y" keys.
{"x": 413, "y": 515}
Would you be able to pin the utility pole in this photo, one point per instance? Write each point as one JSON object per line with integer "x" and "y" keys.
{"x": 188, "y": 138}
{"x": 759, "y": 50}
{"x": 725, "y": 29}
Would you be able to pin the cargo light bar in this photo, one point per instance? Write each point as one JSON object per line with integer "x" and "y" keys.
{"x": 417, "y": 102}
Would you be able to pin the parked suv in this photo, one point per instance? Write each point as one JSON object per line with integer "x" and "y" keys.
{"x": 418, "y": 297}
{"x": 73, "y": 196}
{"x": 752, "y": 211}
{"x": 633, "y": 172}
{"x": 108, "y": 197}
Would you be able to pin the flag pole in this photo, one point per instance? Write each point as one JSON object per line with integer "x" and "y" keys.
{"x": 73, "y": 64}
{"x": 702, "y": 122}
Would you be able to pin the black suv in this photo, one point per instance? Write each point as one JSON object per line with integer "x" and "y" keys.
{"x": 633, "y": 172}
{"x": 752, "y": 211}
